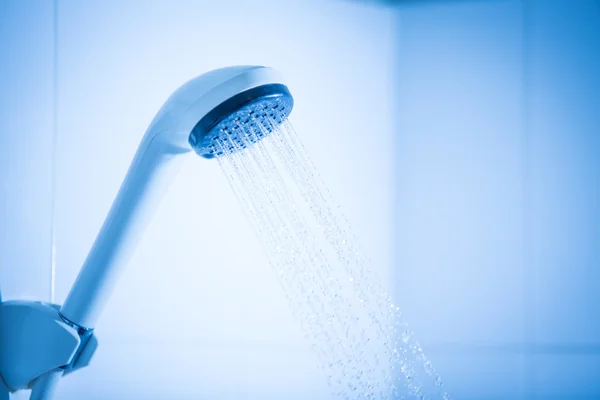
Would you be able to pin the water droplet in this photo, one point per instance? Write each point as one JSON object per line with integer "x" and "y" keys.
{"x": 405, "y": 336}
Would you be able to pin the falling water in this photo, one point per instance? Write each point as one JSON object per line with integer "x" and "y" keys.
{"x": 364, "y": 347}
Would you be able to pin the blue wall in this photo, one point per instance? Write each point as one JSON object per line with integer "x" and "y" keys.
{"x": 498, "y": 191}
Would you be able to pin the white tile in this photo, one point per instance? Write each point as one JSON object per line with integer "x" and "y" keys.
{"x": 459, "y": 244}
{"x": 199, "y": 272}
{"x": 26, "y": 126}
{"x": 565, "y": 93}
{"x": 573, "y": 376}
{"x": 189, "y": 370}
{"x": 480, "y": 373}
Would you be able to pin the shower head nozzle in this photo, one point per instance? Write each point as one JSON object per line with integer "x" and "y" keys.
{"x": 253, "y": 113}
{"x": 210, "y": 113}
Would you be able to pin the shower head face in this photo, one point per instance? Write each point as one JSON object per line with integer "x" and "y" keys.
{"x": 243, "y": 119}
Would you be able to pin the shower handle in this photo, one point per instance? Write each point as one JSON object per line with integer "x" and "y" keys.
{"x": 151, "y": 172}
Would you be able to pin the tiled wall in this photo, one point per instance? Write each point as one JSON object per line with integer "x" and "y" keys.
{"x": 198, "y": 313}
{"x": 26, "y": 141}
{"x": 498, "y": 187}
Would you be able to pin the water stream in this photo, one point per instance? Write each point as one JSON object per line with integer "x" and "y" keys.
{"x": 365, "y": 348}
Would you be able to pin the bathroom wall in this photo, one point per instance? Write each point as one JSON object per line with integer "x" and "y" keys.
{"x": 198, "y": 313}
{"x": 497, "y": 192}
{"x": 26, "y": 132}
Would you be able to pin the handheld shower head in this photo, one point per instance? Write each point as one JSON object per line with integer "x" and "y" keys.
{"x": 201, "y": 110}
{"x": 221, "y": 111}
{"x": 206, "y": 114}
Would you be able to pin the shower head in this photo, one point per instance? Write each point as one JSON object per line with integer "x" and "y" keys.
{"x": 208, "y": 114}
{"x": 251, "y": 113}
{"x": 222, "y": 111}
{"x": 213, "y": 109}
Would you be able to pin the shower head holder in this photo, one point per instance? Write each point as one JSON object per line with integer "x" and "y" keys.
{"x": 34, "y": 340}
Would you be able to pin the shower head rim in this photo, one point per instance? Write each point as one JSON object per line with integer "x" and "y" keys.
{"x": 202, "y": 134}
{"x": 192, "y": 101}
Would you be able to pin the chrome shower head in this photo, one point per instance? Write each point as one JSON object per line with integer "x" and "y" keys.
{"x": 252, "y": 114}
